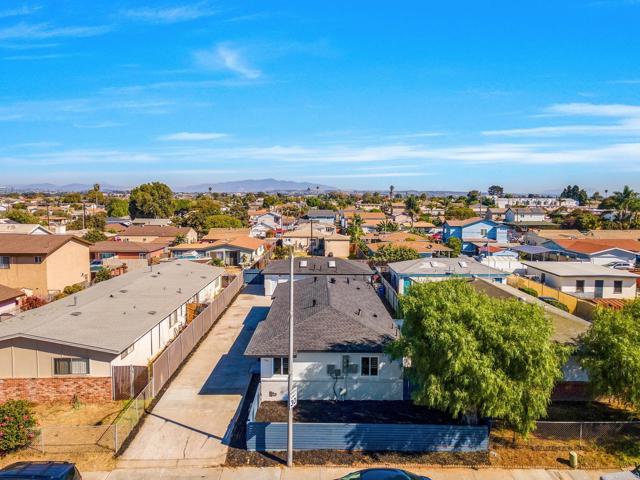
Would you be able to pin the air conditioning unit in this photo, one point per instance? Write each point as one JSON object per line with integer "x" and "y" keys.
{"x": 303, "y": 263}
{"x": 330, "y": 369}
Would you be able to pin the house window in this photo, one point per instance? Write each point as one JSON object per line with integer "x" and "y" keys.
{"x": 173, "y": 319}
{"x": 617, "y": 286}
{"x": 369, "y": 366}
{"x": 37, "y": 259}
{"x": 129, "y": 349}
{"x": 5, "y": 262}
{"x": 142, "y": 256}
{"x": 70, "y": 366}
{"x": 281, "y": 366}
{"x": 483, "y": 232}
{"x": 579, "y": 286}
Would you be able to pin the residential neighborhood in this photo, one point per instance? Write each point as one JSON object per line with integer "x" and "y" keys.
{"x": 319, "y": 240}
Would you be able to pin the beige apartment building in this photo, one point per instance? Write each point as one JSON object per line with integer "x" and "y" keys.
{"x": 43, "y": 264}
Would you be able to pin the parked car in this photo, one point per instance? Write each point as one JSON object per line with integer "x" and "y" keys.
{"x": 621, "y": 265}
{"x": 41, "y": 471}
{"x": 632, "y": 475}
{"x": 382, "y": 474}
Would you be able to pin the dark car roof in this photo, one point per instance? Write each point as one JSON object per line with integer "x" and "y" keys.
{"x": 384, "y": 474}
{"x": 37, "y": 470}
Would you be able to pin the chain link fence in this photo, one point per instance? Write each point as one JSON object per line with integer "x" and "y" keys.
{"x": 75, "y": 438}
{"x": 563, "y": 435}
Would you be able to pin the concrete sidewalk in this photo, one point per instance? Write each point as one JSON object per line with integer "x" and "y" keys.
{"x": 189, "y": 423}
{"x": 330, "y": 473}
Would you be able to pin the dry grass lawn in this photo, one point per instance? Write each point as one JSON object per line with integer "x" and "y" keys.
{"x": 63, "y": 414}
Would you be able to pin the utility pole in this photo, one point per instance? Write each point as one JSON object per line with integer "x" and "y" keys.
{"x": 84, "y": 209}
{"x": 290, "y": 370}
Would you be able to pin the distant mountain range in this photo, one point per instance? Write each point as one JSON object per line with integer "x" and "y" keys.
{"x": 239, "y": 186}
{"x": 261, "y": 185}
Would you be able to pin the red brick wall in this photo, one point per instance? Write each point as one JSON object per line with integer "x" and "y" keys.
{"x": 87, "y": 389}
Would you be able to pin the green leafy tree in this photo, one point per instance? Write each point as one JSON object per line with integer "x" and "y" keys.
{"x": 22, "y": 216}
{"x": 459, "y": 213}
{"x": 280, "y": 252}
{"x": 393, "y": 253}
{"x": 473, "y": 196}
{"x": 117, "y": 207}
{"x": 94, "y": 236}
{"x": 95, "y": 195}
{"x": 151, "y": 200}
{"x": 581, "y": 220}
{"x": 182, "y": 206}
{"x": 103, "y": 274}
{"x": 180, "y": 239}
{"x": 627, "y": 204}
{"x": 455, "y": 244}
{"x": 576, "y": 193}
{"x": 496, "y": 190}
{"x": 610, "y": 352}
{"x": 475, "y": 356}
{"x": 223, "y": 221}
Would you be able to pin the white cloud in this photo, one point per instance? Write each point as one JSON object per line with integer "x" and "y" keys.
{"x": 192, "y": 136}
{"x": 627, "y": 121}
{"x": 226, "y": 57}
{"x": 44, "y": 30}
{"x": 175, "y": 14}
{"x": 20, "y": 11}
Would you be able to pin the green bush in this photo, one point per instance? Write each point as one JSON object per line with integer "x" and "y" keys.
{"x": 529, "y": 291}
{"x": 558, "y": 304}
{"x": 17, "y": 425}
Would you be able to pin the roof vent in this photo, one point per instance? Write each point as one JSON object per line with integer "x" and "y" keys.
{"x": 332, "y": 280}
{"x": 152, "y": 312}
{"x": 359, "y": 311}
{"x": 463, "y": 264}
{"x": 123, "y": 291}
{"x": 75, "y": 314}
{"x": 303, "y": 263}
{"x": 332, "y": 264}
{"x": 203, "y": 277}
{"x": 154, "y": 276}
{"x": 313, "y": 302}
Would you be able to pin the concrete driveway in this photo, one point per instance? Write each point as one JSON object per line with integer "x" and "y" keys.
{"x": 187, "y": 427}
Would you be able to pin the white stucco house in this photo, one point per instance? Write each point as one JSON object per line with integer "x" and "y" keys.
{"x": 584, "y": 279}
{"x": 341, "y": 329}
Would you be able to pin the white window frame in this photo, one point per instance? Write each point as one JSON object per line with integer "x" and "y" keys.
{"x": 173, "y": 319}
{"x": 280, "y": 366}
{"x": 370, "y": 368}
{"x": 5, "y": 262}
{"x": 484, "y": 232}
{"x": 580, "y": 284}
{"x": 71, "y": 361}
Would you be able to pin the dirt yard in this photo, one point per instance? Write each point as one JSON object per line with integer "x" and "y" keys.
{"x": 60, "y": 418}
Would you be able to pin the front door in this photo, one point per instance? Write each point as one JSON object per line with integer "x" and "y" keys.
{"x": 599, "y": 291}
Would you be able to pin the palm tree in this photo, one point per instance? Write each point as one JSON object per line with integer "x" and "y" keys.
{"x": 355, "y": 229}
{"x": 387, "y": 226}
{"x": 412, "y": 206}
{"x": 625, "y": 201}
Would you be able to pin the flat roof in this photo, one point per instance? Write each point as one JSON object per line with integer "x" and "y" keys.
{"x": 579, "y": 269}
{"x": 317, "y": 266}
{"x": 444, "y": 266}
{"x": 566, "y": 327}
{"x": 113, "y": 314}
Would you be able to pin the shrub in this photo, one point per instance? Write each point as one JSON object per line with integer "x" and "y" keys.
{"x": 103, "y": 274}
{"x": 216, "y": 262}
{"x": 32, "y": 302}
{"x": 558, "y": 304}
{"x": 17, "y": 425}
{"x": 529, "y": 291}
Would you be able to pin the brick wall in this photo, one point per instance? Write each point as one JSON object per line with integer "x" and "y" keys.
{"x": 87, "y": 389}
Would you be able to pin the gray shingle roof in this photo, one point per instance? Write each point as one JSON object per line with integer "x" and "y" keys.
{"x": 444, "y": 266}
{"x": 318, "y": 266}
{"x": 331, "y": 314}
{"x": 113, "y": 314}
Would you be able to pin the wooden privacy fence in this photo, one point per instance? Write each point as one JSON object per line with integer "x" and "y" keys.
{"x": 128, "y": 381}
{"x": 166, "y": 364}
{"x": 544, "y": 291}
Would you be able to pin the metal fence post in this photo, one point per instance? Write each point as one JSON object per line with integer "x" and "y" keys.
{"x": 116, "y": 438}
{"x": 42, "y": 440}
{"x": 580, "y": 441}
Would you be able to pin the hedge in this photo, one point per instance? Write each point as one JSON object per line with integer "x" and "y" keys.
{"x": 529, "y": 291}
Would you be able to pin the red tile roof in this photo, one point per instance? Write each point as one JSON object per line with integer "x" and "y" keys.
{"x": 596, "y": 245}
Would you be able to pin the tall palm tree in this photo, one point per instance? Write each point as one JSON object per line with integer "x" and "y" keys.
{"x": 412, "y": 206}
{"x": 625, "y": 202}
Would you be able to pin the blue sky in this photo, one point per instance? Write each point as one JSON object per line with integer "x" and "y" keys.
{"x": 361, "y": 94}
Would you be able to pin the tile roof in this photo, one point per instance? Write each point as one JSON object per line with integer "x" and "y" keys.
{"x": 247, "y": 243}
{"x": 8, "y": 293}
{"x": 614, "y": 234}
{"x": 111, "y": 315}
{"x": 318, "y": 266}
{"x": 463, "y": 223}
{"x": 109, "y": 246}
{"x": 598, "y": 245}
{"x": 24, "y": 244}
{"x": 155, "y": 231}
{"x": 331, "y": 314}
{"x": 218, "y": 233}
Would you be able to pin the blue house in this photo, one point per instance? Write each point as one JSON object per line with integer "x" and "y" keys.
{"x": 474, "y": 232}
